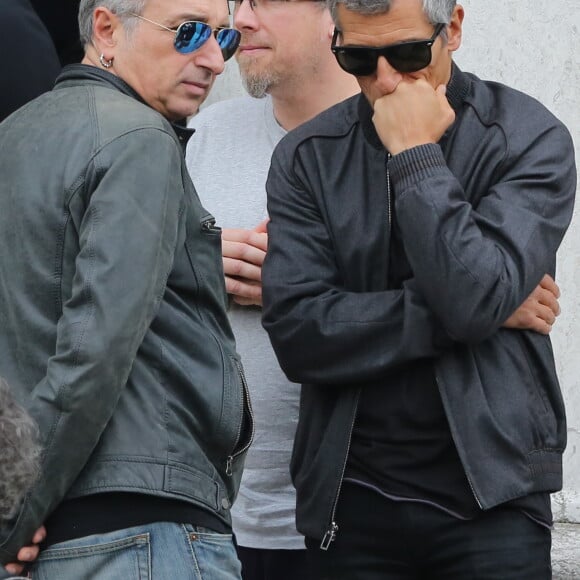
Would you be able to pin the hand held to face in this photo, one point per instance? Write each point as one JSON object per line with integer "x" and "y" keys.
{"x": 413, "y": 114}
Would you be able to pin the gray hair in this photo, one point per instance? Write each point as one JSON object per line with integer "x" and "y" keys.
{"x": 19, "y": 453}
{"x": 437, "y": 11}
{"x": 122, "y": 8}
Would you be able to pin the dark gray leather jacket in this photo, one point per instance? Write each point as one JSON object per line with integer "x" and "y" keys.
{"x": 481, "y": 215}
{"x": 113, "y": 326}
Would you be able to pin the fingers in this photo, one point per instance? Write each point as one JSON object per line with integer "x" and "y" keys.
{"x": 14, "y": 569}
{"x": 540, "y": 326}
{"x": 548, "y": 283}
{"x": 242, "y": 269}
{"x": 243, "y": 254}
{"x": 413, "y": 114}
{"x": 28, "y": 553}
{"x": 39, "y": 535}
{"x": 524, "y": 319}
{"x": 247, "y": 301}
{"x": 547, "y": 298}
{"x": 242, "y": 259}
{"x": 535, "y": 309}
{"x": 244, "y": 292}
{"x": 543, "y": 316}
{"x": 540, "y": 309}
{"x": 255, "y": 239}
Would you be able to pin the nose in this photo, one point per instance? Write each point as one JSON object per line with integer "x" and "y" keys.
{"x": 388, "y": 78}
{"x": 245, "y": 16}
{"x": 209, "y": 56}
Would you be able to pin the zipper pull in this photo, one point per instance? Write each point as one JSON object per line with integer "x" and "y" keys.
{"x": 329, "y": 536}
{"x": 209, "y": 226}
{"x": 229, "y": 462}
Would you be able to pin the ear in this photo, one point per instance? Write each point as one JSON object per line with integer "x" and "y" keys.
{"x": 454, "y": 30}
{"x": 327, "y": 24}
{"x": 105, "y": 27}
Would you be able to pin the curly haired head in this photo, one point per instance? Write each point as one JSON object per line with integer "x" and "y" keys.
{"x": 19, "y": 452}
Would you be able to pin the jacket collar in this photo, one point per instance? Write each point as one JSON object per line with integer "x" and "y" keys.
{"x": 457, "y": 89}
{"x": 74, "y": 73}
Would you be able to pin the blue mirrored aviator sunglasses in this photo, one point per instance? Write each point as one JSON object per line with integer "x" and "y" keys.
{"x": 191, "y": 35}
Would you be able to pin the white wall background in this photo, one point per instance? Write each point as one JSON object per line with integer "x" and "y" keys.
{"x": 533, "y": 46}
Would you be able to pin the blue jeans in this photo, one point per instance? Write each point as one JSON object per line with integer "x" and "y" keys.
{"x": 158, "y": 551}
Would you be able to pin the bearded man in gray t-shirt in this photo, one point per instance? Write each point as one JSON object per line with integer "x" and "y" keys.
{"x": 288, "y": 69}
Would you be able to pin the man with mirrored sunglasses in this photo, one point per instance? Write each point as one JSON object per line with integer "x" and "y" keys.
{"x": 114, "y": 330}
{"x": 291, "y": 75}
{"x": 408, "y": 286}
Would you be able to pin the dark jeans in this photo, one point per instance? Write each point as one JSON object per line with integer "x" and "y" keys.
{"x": 387, "y": 540}
{"x": 258, "y": 564}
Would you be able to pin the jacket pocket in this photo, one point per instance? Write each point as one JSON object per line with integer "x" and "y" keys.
{"x": 544, "y": 386}
{"x": 245, "y": 432}
{"x": 235, "y": 429}
{"x": 521, "y": 388}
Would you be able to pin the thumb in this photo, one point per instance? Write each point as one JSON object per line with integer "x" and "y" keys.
{"x": 446, "y": 108}
{"x": 261, "y": 227}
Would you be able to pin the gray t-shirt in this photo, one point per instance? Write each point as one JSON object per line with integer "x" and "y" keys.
{"x": 229, "y": 158}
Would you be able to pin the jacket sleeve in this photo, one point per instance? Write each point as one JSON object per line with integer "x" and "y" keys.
{"x": 320, "y": 332}
{"x": 127, "y": 240}
{"x": 476, "y": 265}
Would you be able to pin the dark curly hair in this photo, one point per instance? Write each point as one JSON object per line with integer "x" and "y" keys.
{"x": 19, "y": 452}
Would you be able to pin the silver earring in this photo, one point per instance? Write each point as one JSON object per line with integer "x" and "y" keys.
{"x": 106, "y": 63}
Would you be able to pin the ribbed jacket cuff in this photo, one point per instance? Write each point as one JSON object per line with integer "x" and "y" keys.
{"x": 415, "y": 164}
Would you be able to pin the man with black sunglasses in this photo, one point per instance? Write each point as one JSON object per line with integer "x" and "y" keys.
{"x": 410, "y": 230}
{"x": 114, "y": 332}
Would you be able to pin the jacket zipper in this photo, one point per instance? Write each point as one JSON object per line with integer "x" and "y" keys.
{"x": 245, "y": 399}
{"x": 455, "y": 443}
{"x": 472, "y": 490}
{"x": 332, "y": 529}
{"x": 390, "y": 217}
{"x": 389, "y": 205}
{"x": 209, "y": 226}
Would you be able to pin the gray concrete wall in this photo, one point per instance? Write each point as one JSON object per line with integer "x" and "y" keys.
{"x": 535, "y": 47}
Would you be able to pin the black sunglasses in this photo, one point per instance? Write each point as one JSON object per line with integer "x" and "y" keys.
{"x": 406, "y": 57}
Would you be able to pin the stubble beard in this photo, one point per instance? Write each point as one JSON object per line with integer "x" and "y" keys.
{"x": 260, "y": 79}
{"x": 258, "y": 83}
